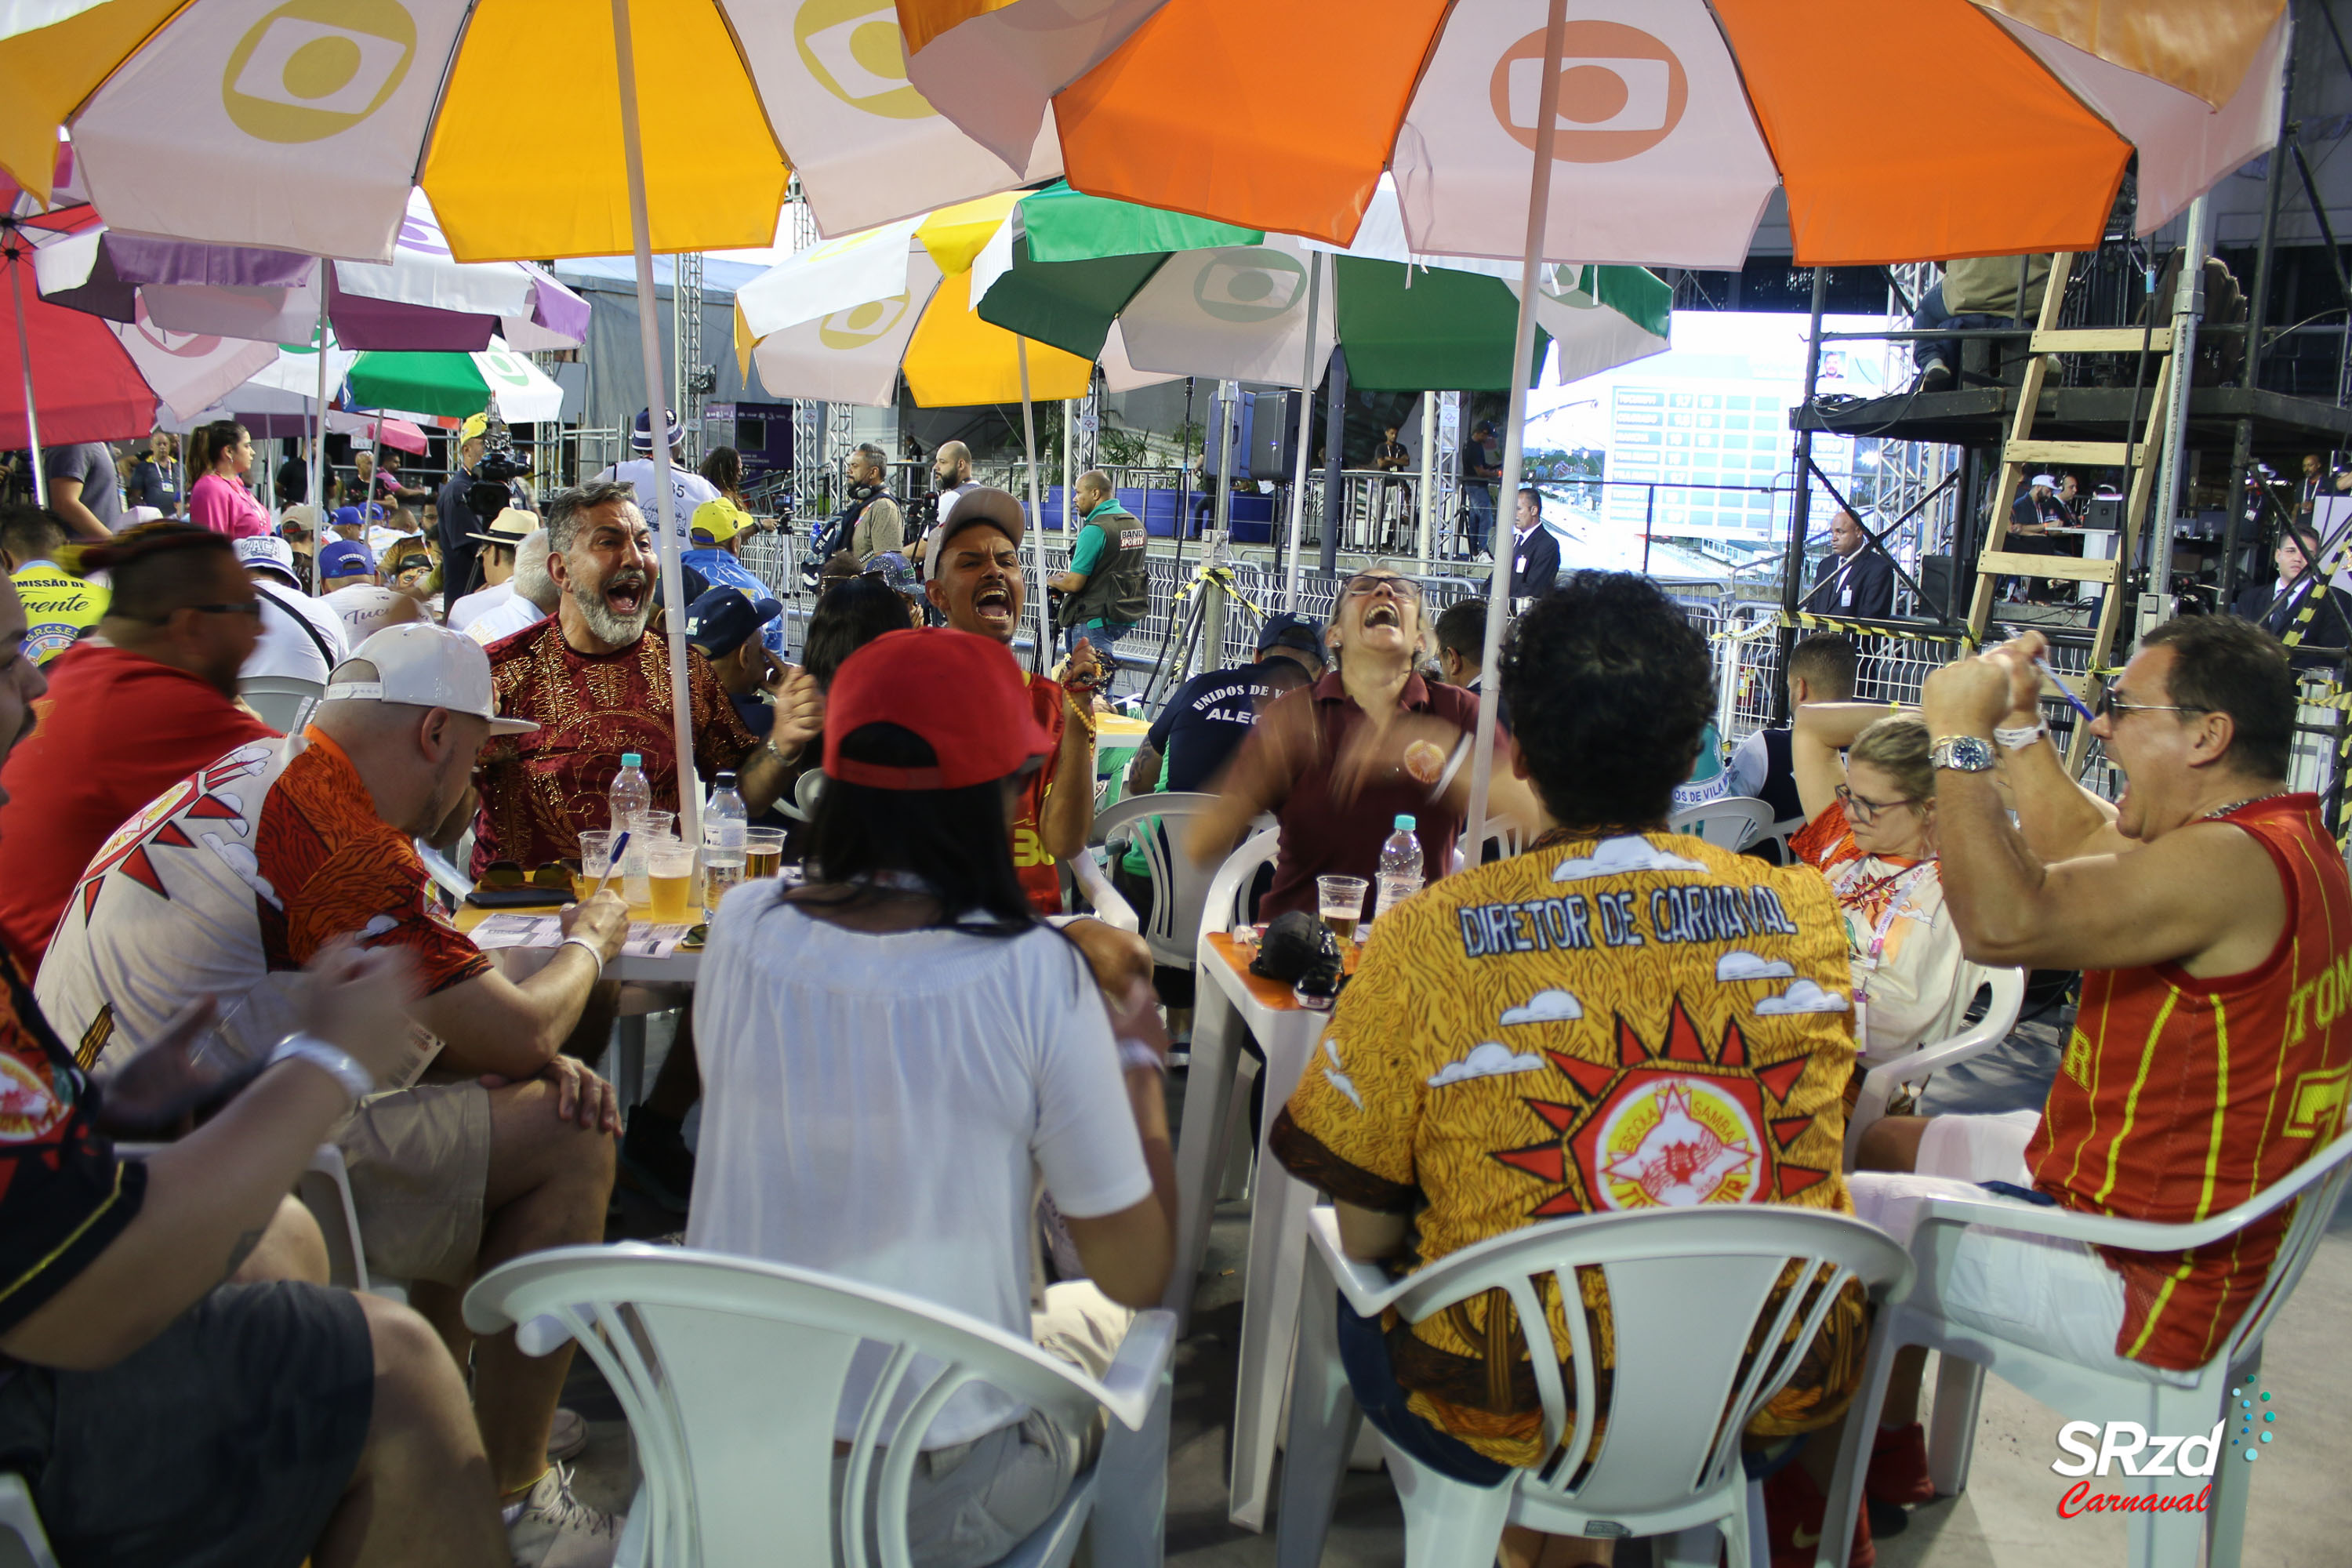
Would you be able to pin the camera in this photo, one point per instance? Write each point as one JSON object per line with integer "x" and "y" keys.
{"x": 500, "y": 465}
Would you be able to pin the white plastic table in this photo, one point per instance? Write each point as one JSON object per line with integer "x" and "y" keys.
{"x": 1230, "y": 1000}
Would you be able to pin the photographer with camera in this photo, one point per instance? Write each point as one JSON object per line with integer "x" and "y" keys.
{"x": 483, "y": 487}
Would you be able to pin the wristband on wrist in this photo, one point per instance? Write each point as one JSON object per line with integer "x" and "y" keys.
{"x": 591, "y": 949}
{"x": 1134, "y": 1054}
{"x": 335, "y": 1062}
{"x": 2024, "y": 735}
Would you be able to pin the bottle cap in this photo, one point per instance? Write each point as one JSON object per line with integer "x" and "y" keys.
{"x": 1404, "y": 823}
{"x": 724, "y": 781}
{"x": 632, "y": 760}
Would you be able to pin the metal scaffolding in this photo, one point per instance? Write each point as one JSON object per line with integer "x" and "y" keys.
{"x": 686, "y": 374}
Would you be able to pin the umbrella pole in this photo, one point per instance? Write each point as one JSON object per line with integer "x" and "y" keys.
{"x": 689, "y": 787}
{"x": 1523, "y": 348}
{"x": 1306, "y": 420}
{"x": 319, "y": 430}
{"x": 24, "y": 355}
{"x": 1428, "y": 474}
{"x": 1036, "y": 529}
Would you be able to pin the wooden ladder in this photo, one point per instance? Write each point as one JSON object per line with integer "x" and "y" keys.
{"x": 2023, "y": 455}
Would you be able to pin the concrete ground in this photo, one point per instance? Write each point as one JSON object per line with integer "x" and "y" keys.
{"x": 2300, "y": 1517}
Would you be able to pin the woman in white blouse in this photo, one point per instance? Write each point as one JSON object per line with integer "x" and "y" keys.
{"x": 1870, "y": 830}
{"x": 890, "y": 1050}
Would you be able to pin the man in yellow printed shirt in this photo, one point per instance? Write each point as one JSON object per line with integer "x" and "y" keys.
{"x": 1618, "y": 1018}
{"x": 58, "y": 606}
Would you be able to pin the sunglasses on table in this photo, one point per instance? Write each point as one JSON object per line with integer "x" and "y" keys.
{"x": 511, "y": 874}
{"x": 1862, "y": 811}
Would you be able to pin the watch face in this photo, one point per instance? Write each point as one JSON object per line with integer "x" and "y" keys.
{"x": 1968, "y": 753}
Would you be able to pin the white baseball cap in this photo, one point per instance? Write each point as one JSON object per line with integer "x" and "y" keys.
{"x": 269, "y": 550}
{"x": 2045, "y": 482}
{"x": 429, "y": 667}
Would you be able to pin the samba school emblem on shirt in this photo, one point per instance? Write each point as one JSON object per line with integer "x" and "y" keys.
{"x": 1668, "y": 1127}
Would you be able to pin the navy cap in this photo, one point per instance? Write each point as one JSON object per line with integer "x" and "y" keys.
{"x": 718, "y": 622}
{"x": 1286, "y": 630}
{"x": 345, "y": 558}
{"x": 641, "y": 433}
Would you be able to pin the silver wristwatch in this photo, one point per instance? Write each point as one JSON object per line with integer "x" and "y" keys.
{"x": 1962, "y": 754}
{"x": 357, "y": 1081}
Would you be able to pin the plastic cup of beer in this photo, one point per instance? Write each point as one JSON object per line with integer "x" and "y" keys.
{"x": 722, "y": 870}
{"x": 1341, "y": 901}
{"x": 764, "y": 851}
{"x": 645, "y": 829}
{"x": 595, "y": 861}
{"x": 669, "y": 872}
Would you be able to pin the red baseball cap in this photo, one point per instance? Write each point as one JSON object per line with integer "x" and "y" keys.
{"x": 959, "y": 691}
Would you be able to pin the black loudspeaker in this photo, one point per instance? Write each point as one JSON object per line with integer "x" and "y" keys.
{"x": 1273, "y": 450}
{"x": 2104, "y": 512}
{"x": 1935, "y": 583}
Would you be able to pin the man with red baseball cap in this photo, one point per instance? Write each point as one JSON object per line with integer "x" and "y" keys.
{"x": 981, "y": 1050}
{"x": 972, "y": 573}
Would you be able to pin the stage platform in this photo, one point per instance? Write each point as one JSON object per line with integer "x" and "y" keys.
{"x": 2285, "y": 427}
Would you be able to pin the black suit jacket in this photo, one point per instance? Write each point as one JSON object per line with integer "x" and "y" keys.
{"x": 1867, "y": 592}
{"x": 1535, "y": 565}
{"x": 2329, "y": 626}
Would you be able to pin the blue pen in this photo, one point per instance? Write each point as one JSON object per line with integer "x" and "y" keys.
{"x": 2073, "y": 701}
{"x": 612, "y": 864}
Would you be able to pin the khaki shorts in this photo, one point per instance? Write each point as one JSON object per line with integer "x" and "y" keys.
{"x": 420, "y": 1161}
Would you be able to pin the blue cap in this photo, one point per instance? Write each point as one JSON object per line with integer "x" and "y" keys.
{"x": 1286, "y": 630}
{"x": 1403, "y": 823}
{"x": 723, "y": 619}
{"x": 896, "y": 571}
{"x": 345, "y": 558}
{"x": 348, "y": 517}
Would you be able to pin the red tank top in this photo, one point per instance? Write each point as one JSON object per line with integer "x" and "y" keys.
{"x": 2179, "y": 1098}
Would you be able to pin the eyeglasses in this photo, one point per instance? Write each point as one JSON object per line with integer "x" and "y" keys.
{"x": 2112, "y": 705}
{"x": 1365, "y": 584}
{"x": 1862, "y": 811}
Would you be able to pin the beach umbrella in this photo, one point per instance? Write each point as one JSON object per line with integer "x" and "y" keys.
{"x": 1675, "y": 120}
{"x": 306, "y": 125}
{"x": 457, "y": 385}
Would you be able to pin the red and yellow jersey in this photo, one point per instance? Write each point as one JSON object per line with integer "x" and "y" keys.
{"x": 1040, "y": 879}
{"x": 1636, "y": 1022}
{"x": 2179, "y": 1098}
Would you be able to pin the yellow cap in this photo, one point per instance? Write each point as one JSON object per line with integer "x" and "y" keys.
{"x": 716, "y": 521}
{"x": 474, "y": 426}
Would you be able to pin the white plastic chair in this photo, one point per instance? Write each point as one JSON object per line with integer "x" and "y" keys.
{"x": 325, "y": 1189}
{"x": 2172, "y": 1540}
{"x": 802, "y": 808}
{"x": 1880, "y": 1081}
{"x": 730, "y": 1371}
{"x": 22, "y": 1543}
{"x": 284, "y": 701}
{"x": 1178, "y": 888}
{"x": 1687, "y": 1287}
{"x": 1499, "y": 831}
{"x": 1733, "y": 823}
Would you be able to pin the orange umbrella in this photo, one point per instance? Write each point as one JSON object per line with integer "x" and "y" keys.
{"x": 1676, "y": 120}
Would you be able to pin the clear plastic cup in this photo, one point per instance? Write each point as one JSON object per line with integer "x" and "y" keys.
{"x": 764, "y": 851}
{"x": 645, "y": 828}
{"x": 722, "y": 872}
{"x": 595, "y": 861}
{"x": 669, "y": 874}
{"x": 1341, "y": 901}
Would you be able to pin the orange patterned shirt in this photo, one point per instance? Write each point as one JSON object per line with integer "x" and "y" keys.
{"x": 2180, "y": 1097}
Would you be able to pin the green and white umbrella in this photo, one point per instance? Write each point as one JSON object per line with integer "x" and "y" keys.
{"x": 457, "y": 383}
{"x": 1192, "y": 298}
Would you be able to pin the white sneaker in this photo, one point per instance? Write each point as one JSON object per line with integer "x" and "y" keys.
{"x": 549, "y": 1528}
{"x": 568, "y": 1438}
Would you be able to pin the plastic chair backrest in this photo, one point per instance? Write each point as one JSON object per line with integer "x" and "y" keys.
{"x": 22, "y": 1543}
{"x": 1178, "y": 888}
{"x": 802, "y": 808}
{"x": 2313, "y": 1212}
{"x": 731, "y": 1372}
{"x": 1227, "y": 901}
{"x": 284, "y": 701}
{"x": 1733, "y": 823}
{"x": 1688, "y": 1288}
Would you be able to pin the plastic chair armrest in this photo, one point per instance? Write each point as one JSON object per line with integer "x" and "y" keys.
{"x": 445, "y": 876}
{"x": 1111, "y": 908}
{"x": 1367, "y": 1286}
{"x": 2105, "y": 1230}
{"x": 536, "y": 1336}
{"x": 1132, "y": 1380}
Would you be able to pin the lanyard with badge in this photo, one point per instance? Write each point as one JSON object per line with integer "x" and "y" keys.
{"x": 1898, "y": 885}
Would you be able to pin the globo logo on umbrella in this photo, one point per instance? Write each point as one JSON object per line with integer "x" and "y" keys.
{"x": 862, "y": 324}
{"x": 854, "y": 49}
{"x": 502, "y": 363}
{"x": 182, "y": 345}
{"x": 1248, "y": 284}
{"x": 1622, "y": 92}
{"x": 314, "y": 68}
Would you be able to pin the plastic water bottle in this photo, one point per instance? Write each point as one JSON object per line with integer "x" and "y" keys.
{"x": 723, "y": 818}
{"x": 1400, "y": 875}
{"x": 631, "y": 795}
